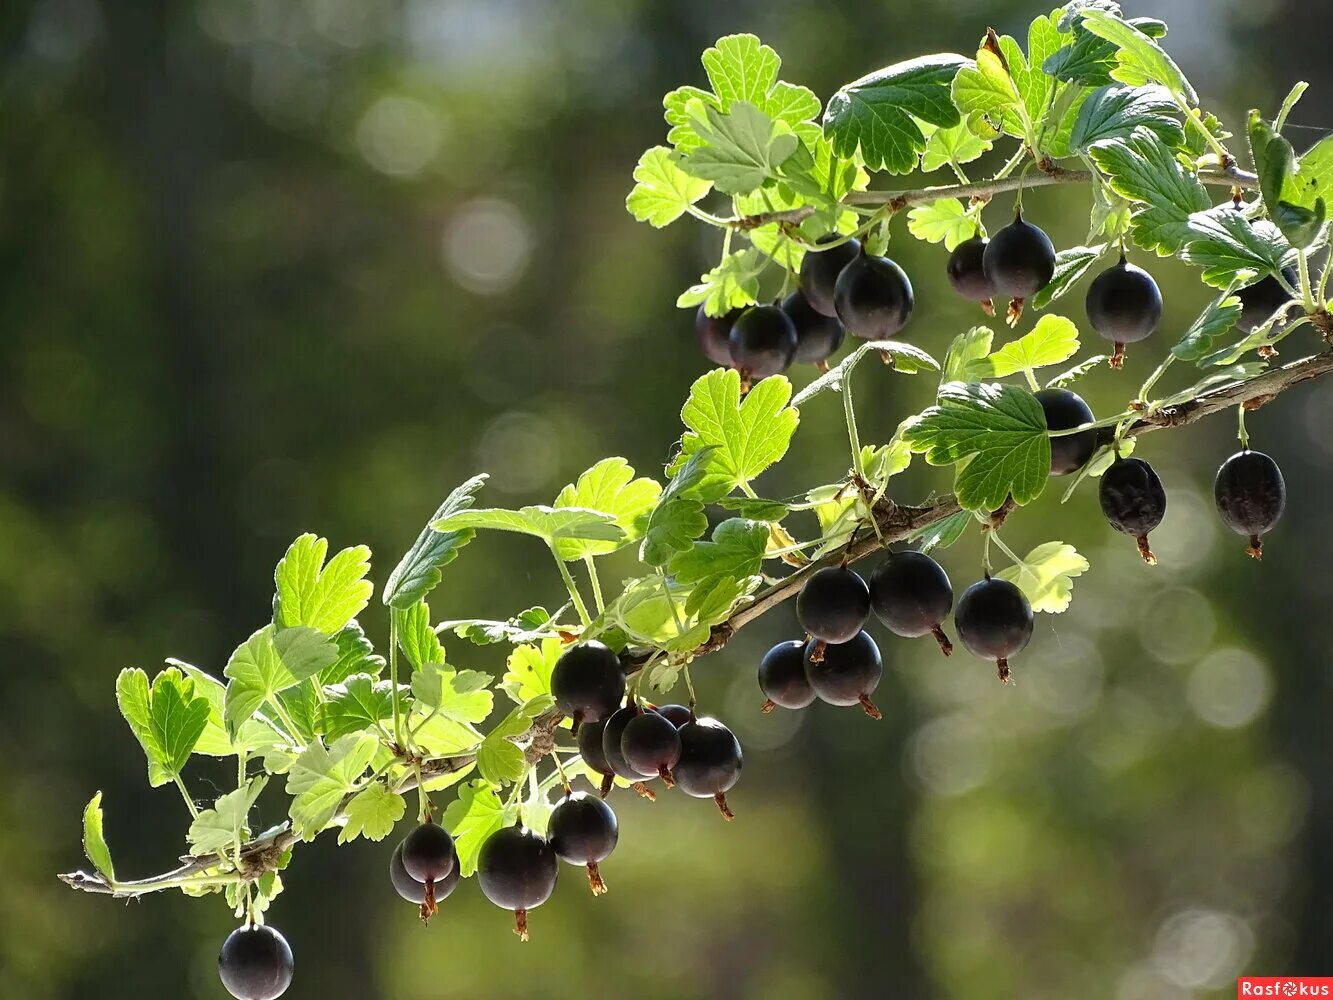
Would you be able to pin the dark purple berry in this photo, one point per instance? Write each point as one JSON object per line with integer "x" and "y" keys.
{"x": 1124, "y": 306}
{"x": 873, "y": 297}
{"x": 782, "y": 677}
{"x": 1019, "y": 261}
{"x": 820, "y": 270}
{"x": 588, "y": 682}
{"x": 1260, "y": 300}
{"x": 911, "y": 594}
{"x": 846, "y": 673}
{"x": 651, "y": 746}
{"x": 817, "y": 335}
{"x": 994, "y": 621}
{"x": 710, "y": 762}
{"x": 583, "y": 831}
{"x": 412, "y": 890}
{"x": 428, "y": 853}
{"x": 1133, "y": 501}
{"x": 1065, "y": 409}
{"x": 1250, "y": 494}
{"x": 834, "y": 604}
{"x": 517, "y": 869}
{"x": 612, "y": 737}
{"x": 763, "y": 342}
{"x": 255, "y": 963}
{"x": 714, "y": 333}
{"x": 968, "y": 276}
{"x": 677, "y": 714}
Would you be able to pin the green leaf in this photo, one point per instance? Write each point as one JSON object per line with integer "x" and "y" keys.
{"x": 1213, "y": 323}
{"x": 224, "y": 826}
{"x": 818, "y": 178}
{"x": 1313, "y": 181}
{"x": 1054, "y": 339}
{"x": 216, "y": 741}
{"x": 746, "y": 437}
{"x": 663, "y": 192}
{"x": 94, "y": 842}
{"x": 356, "y": 655}
{"x": 1275, "y": 163}
{"x": 372, "y": 813}
{"x": 499, "y": 760}
{"x": 1115, "y": 112}
{"x": 1070, "y": 265}
{"x": 756, "y": 509}
{"x": 678, "y": 519}
{"x": 417, "y": 638}
{"x": 907, "y": 360}
{"x": 610, "y": 487}
{"x": 1140, "y": 59}
{"x": 944, "y": 533}
{"x": 732, "y": 284}
{"x": 1231, "y": 248}
{"x": 550, "y": 524}
{"x": 996, "y": 434}
{"x": 472, "y": 818}
{"x": 418, "y": 572}
{"x": 322, "y": 776}
{"x": 742, "y": 148}
{"x": 875, "y": 116}
{"x": 459, "y": 695}
{"x": 964, "y": 351}
{"x": 737, "y": 550}
{"x": 1072, "y": 375}
{"x": 1046, "y": 575}
{"x": 528, "y": 670}
{"x": 1087, "y": 60}
{"x": 1232, "y": 373}
{"x": 987, "y": 94}
{"x": 957, "y": 144}
{"x": 318, "y": 596}
{"x": 1144, "y": 170}
{"x": 167, "y": 718}
{"x": 267, "y": 663}
{"x": 354, "y": 706}
{"x": 946, "y": 220}
{"x": 526, "y": 626}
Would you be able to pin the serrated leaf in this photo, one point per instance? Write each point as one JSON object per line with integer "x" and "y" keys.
{"x": 1225, "y": 244}
{"x": 907, "y": 360}
{"x": 217, "y": 740}
{"x": 732, "y": 284}
{"x": 956, "y": 144}
{"x": 1072, "y": 375}
{"x": 678, "y": 519}
{"x": 1046, "y": 575}
{"x": 876, "y": 115}
{"x": 964, "y": 350}
{"x": 94, "y": 841}
{"x": 1144, "y": 170}
{"x": 663, "y": 192}
{"x": 943, "y": 533}
{"x": 418, "y": 572}
{"x": 499, "y": 760}
{"x": 736, "y": 550}
{"x": 742, "y": 148}
{"x": 1070, "y": 265}
{"x": 526, "y": 626}
{"x": 356, "y": 655}
{"x": 268, "y": 663}
{"x": 1054, "y": 339}
{"x": 995, "y": 434}
{"x": 321, "y": 597}
{"x": 1275, "y": 163}
{"x": 356, "y": 705}
{"x": 166, "y": 717}
{"x": 946, "y": 221}
{"x": 1313, "y": 180}
{"x": 472, "y": 818}
{"x": 372, "y": 813}
{"x": 550, "y": 524}
{"x": 1213, "y": 323}
{"x": 1139, "y": 58}
{"x": 416, "y": 636}
{"x": 986, "y": 92}
{"x": 1232, "y": 373}
{"x": 459, "y": 695}
{"x": 1115, "y": 112}
{"x": 609, "y": 486}
{"x": 528, "y": 670}
{"x": 224, "y": 826}
{"x": 756, "y": 509}
{"x": 322, "y": 776}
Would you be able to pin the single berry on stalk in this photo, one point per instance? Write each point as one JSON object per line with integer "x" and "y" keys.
{"x": 1124, "y": 306}
{"x": 1250, "y": 494}
{"x": 782, "y": 677}
{"x": 911, "y": 594}
{"x": 834, "y": 604}
{"x": 678, "y": 715}
{"x": 1065, "y": 409}
{"x": 820, "y": 270}
{"x": 1133, "y": 501}
{"x": 1019, "y": 261}
{"x": 763, "y": 343}
{"x": 612, "y": 736}
{"x": 651, "y": 746}
{"x": 429, "y": 857}
{"x": 817, "y": 335}
{"x": 714, "y": 335}
{"x": 590, "y": 749}
{"x": 968, "y": 276}
{"x": 517, "y": 870}
{"x": 412, "y": 890}
{"x": 255, "y": 963}
{"x": 1260, "y": 300}
{"x": 873, "y": 297}
{"x": 710, "y": 762}
{"x": 994, "y": 621}
{"x": 587, "y": 682}
{"x": 583, "y": 831}
{"x": 847, "y": 673}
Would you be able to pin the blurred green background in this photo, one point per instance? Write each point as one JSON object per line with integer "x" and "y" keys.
{"x": 269, "y": 266}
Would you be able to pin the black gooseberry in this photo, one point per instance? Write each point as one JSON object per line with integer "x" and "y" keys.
{"x": 678, "y": 715}
{"x": 429, "y": 857}
{"x": 1124, "y": 306}
{"x": 1133, "y": 501}
{"x": 1065, "y": 409}
{"x": 255, "y": 963}
{"x": 517, "y": 869}
{"x": 1019, "y": 261}
{"x": 763, "y": 343}
{"x": 782, "y": 677}
{"x": 911, "y": 594}
{"x": 583, "y": 831}
{"x": 834, "y": 604}
{"x": 710, "y": 762}
{"x": 968, "y": 276}
{"x": 847, "y": 673}
{"x": 590, "y": 749}
{"x": 713, "y": 334}
{"x": 820, "y": 270}
{"x": 1260, "y": 300}
{"x": 588, "y": 682}
{"x": 1250, "y": 494}
{"x": 873, "y": 297}
{"x": 817, "y": 335}
{"x": 994, "y": 621}
{"x": 651, "y": 746}
{"x": 612, "y": 735}
{"x": 415, "y": 892}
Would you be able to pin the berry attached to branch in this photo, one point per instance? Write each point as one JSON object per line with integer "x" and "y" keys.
{"x": 1250, "y": 494}
{"x": 1133, "y": 500}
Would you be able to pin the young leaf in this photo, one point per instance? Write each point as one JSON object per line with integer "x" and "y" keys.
{"x": 732, "y": 284}
{"x": 418, "y": 572}
{"x": 1275, "y": 163}
{"x": 526, "y": 626}
{"x": 1314, "y": 175}
{"x": 944, "y": 221}
{"x": 472, "y": 818}
{"x": 1140, "y": 60}
{"x": 217, "y": 740}
{"x": 1143, "y": 169}
{"x": 742, "y": 148}
{"x": 318, "y": 596}
{"x": 219, "y": 829}
{"x": 907, "y": 360}
{"x": 417, "y": 638}
{"x": 372, "y": 813}
{"x": 1054, "y": 339}
{"x": 528, "y": 670}
{"x": 1007, "y": 88}
{"x": 1046, "y": 575}
{"x": 94, "y": 842}
{"x": 499, "y": 760}
{"x": 995, "y": 434}
{"x": 1213, "y": 323}
{"x": 1230, "y": 247}
{"x": 1115, "y": 112}
{"x": 267, "y": 663}
{"x": 610, "y": 487}
{"x": 322, "y": 776}
{"x": 875, "y": 115}
{"x": 756, "y": 509}
{"x": 354, "y": 706}
{"x": 957, "y": 144}
{"x": 678, "y": 519}
{"x": 167, "y": 718}
{"x": 737, "y": 550}
{"x": 1070, "y": 265}
{"x": 458, "y": 695}
{"x": 1070, "y": 376}
{"x": 966, "y": 349}
{"x": 550, "y": 524}
{"x": 356, "y": 655}
{"x": 663, "y": 192}
{"x": 942, "y": 534}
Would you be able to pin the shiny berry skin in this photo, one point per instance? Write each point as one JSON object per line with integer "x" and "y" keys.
{"x": 714, "y": 333}
{"x": 1019, "y": 260}
{"x": 255, "y": 963}
{"x": 1065, "y": 409}
{"x": 763, "y": 342}
{"x": 651, "y": 746}
{"x": 782, "y": 677}
{"x": 817, "y": 335}
{"x": 1260, "y": 300}
{"x": 583, "y": 831}
{"x": 428, "y": 853}
{"x": 1133, "y": 501}
{"x": 873, "y": 297}
{"x": 1251, "y": 495}
{"x": 588, "y": 682}
{"x": 517, "y": 870}
{"x": 1124, "y": 306}
{"x": 845, "y": 673}
{"x": 612, "y": 737}
{"x": 820, "y": 270}
{"x": 834, "y": 604}
{"x": 678, "y": 715}
{"x": 412, "y": 890}
{"x": 966, "y": 273}
{"x": 710, "y": 761}
{"x": 911, "y": 594}
{"x": 994, "y": 621}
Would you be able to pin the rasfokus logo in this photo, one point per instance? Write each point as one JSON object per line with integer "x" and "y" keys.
{"x": 1285, "y": 986}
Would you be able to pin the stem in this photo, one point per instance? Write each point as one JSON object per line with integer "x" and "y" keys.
{"x": 689, "y": 686}
{"x": 986, "y": 535}
{"x": 1192, "y": 114}
{"x": 671, "y": 602}
{"x": 1303, "y": 269}
{"x": 1241, "y": 432}
{"x": 700, "y": 214}
{"x": 1010, "y": 165}
{"x": 285, "y": 718}
{"x": 1146, "y": 388}
{"x": 189, "y": 802}
{"x": 1094, "y": 425}
{"x": 596, "y": 583}
{"x": 1032, "y": 380}
{"x": 393, "y": 679}
{"x": 574, "y": 596}
{"x": 1323, "y": 281}
{"x": 853, "y": 436}
{"x": 999, "y": 543}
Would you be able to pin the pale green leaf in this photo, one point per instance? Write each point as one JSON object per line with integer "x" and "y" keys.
{"x": 964, "y": 351}
{"x": 94, "y": 841}
{"x": 907, "y": 360}
{"x": 472, "y": 818}
{"x": 321, "y": 777}
{"x": 610, "y": 487}
{"x": 528, "y": 670}
{"x": 418, "y": 572}
{"x": 267, "y": 663}
{"x": 956, "y": 144}
{"x": 356, "y": 705}
{"x": 417, "y": 637}
{"x": 732, "y": 284}
{"x": 550, "y": 524}
{"x": 224, "y": 826}
{"x": 1046, "y": 575}
{"x": 1054, "y": 339}
{"x": 460, "y": 695}
{"x": 678, "y": 518}
{"x": 1139, "y": 59}
{"x": 663, "y": 192}
{"x": 321, "y": 597}
{"x": 1071, "y": 375}
{"x": 742, "y": 148}
{"x": 372, "y": 813}
{"x": 736, "y": 550}
{"x": 945, "y": 221}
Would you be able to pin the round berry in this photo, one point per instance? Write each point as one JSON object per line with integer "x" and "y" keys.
{"x": 994, "y": 621}
{"x": 583, "y": 831}
{"x": 1019, "y": 260}
{"x": 428, "y": 853}
{"x": 412, "y": 890}
{"x": 782, "y": 677}
{"x": 1124, "y": 306}
{"x": 1250, "y": 494}
{"x": 820, "y": 270}
{"x": 255, "y": 963}
{"x": 968, "y": 276}
{"x": 873, "y": 297}
{"x": 677, "y": 714}
{"x": 763, "y": 342}
{"x": 612, "y": 738}
{"x": 1133, "y": 501}
{"x": 817, "y": 335}
{"x": 834, "y": 604}
{"x": 651, "y": 746}
{"x": 517, "y": 869}
{"x": 710, "y": 762}
{"x": 587, "y": 682}
{"x": 1260, "y": 300}
{"x": 911, "y": 594}
{"x": 714, "y": 333}
{"x": 1065, "y": 409}
{"x": 845, "y": 673}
